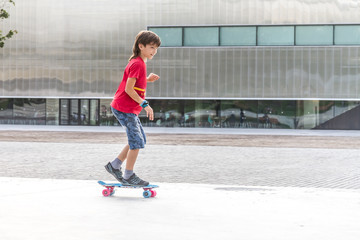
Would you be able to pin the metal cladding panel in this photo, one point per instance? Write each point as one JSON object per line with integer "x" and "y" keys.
{"x": 78, "y": 49}
{"x": 266, "y": 72}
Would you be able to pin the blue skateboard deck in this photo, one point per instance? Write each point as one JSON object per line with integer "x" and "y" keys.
{"x": 110, "y": 189}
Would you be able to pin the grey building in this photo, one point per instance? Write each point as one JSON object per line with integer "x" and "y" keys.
{"x": 222, "y": 63}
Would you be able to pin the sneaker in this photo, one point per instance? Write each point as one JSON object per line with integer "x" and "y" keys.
{"x": 135, "y": 181}
{"x": 115, "y": 172}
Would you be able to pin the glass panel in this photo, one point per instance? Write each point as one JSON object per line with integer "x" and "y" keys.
{"x": 347, "y": 35}
{"x": 189, "y": 113}
{"x": 344, "y": 106}
{"x": 94, "y": 112}
{"x": 238, "y": 36}
{"x": 6, "y": 111}
{"x": 314, "y": 35}
{"x": 84, "y": 112}
{"x": 106, "y": 116}
{"x": 307, "y": 114}
{"x": 278, "y": 35}
{"x": 52, "y": 111}
{"x": 239, "y": 113}
{"x": 74, "y": 112}
{"x": 277, "y": 114}
{"x": 167, "y": 113}
{"x": 29, "y": 111}
{"x": 201, "y": 36}
{"x": 207, "y": 113}
{"x": 64, "y": 111}
{"x": 170, "y": 37}
{"x": 170, "y": 113}
{"x": 326, "y": 111}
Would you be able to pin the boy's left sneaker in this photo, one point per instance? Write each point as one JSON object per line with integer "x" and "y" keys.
{"x": 115, "y": 172}
{"x": 135, "y": 181}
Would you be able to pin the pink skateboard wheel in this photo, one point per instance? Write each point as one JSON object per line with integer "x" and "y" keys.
{"x": 106, "y": 192}
{"x": 153, "y": 193}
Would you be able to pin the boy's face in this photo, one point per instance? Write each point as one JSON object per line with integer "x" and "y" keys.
{"x": 148, "y": 51}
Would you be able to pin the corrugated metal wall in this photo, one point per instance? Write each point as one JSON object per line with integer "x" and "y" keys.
{"x": 79, "y": 49}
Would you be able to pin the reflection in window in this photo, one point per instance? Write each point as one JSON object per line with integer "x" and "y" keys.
{"x": 344, "y": 106}
{"x": 277, "y": 114}
{"x": 6, "y": 111}
{"x": 314, "y": 35}
{"x": 201, "y": 36}
{"x": 208, "y": 114}
{"x": 52, "y": 112}
{"x": 239, "y": 113}
{"x": 347, "y": 35}
{"x": 29, "y": 111}
{"x": 167, "y": 113}
{"x": 106, "y": 116}
{"x": 277, "y": 35}
{"x": 238, "y": 36}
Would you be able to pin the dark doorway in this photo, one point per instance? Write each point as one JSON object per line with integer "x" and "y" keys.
{"x": 79, "y": 112}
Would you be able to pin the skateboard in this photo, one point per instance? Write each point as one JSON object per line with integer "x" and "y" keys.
{"x": 110, "y": 189}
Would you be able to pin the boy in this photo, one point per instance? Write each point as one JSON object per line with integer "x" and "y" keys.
{"x": 128, "y": 102}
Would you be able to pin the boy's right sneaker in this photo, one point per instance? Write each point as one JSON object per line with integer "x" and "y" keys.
{"x": 135, "y": 181}
{"x": 115, "y": 172}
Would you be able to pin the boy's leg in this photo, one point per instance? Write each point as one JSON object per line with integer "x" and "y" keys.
{"x": 130, "y": 177}
{"x": 121, "y": 158}
{"x": 123, "y": 155}
{"x": 130, "y": 163}
{"x": 131, "y": 159}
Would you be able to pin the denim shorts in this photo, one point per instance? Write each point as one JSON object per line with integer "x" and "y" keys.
{"x": 134, "y": 130}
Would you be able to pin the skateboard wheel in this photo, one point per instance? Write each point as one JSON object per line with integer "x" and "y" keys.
{"x": 153, "y": 193}
{"x": 147, "y": 194}
{"x": 112, "y": 192}
{"x": 106, "y": 192}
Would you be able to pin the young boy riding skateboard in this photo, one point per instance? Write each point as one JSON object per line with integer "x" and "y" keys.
{"x": 128, "y": 102}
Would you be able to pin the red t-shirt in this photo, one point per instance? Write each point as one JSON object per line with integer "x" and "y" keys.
{"x": 122, "y": 102}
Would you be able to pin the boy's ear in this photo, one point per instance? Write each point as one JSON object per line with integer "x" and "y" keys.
{"x": 141, "y": 46}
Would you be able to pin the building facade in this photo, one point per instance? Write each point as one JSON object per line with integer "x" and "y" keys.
{"x": 223, "y": 63}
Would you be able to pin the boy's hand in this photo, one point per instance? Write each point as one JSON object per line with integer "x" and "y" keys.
{"x": 149, "y": 113}
{"x": 152, "y": 77}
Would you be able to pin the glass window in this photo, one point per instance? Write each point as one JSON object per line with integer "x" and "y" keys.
{"x": 314, "y": 35}
{"x": 239, "y": 113}
{"x": 307, "y": 114}
{"x": 347, "y": 35}
{"x": 29, "y": 111}
{"x": 94, "y": 112}
{"x": 207, "y": 113}
{"x": 344, "y": 106}
{"x": 84, "y": 112}
{"x": 238, "y": 36}
{"x": 52, "y": 112}
{"x": 167, "y": 113}
{"x": 170, "y": 37}
{"x": 106, "y": 116}
{"x": 74, "y": 112}
{"x": 278, "y": 35}
{"x": 188, "y": 118}
{"x": 277, "y": 114}
{"x": 201, "y": 36}
{"x": 64, "y": 112}
{"x": 6, "y": 111}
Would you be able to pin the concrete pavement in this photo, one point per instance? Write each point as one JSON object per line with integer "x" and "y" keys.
{"x": 243, "y": 131}
{"x": 282, "y": 193}
{"x": 36, "y": 209}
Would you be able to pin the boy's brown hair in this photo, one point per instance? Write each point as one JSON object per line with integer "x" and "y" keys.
{"x": 144, "y": 38}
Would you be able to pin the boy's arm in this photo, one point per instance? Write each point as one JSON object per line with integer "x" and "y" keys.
{"x": 129, "y": 89}
{"x": 152, "y": 77}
